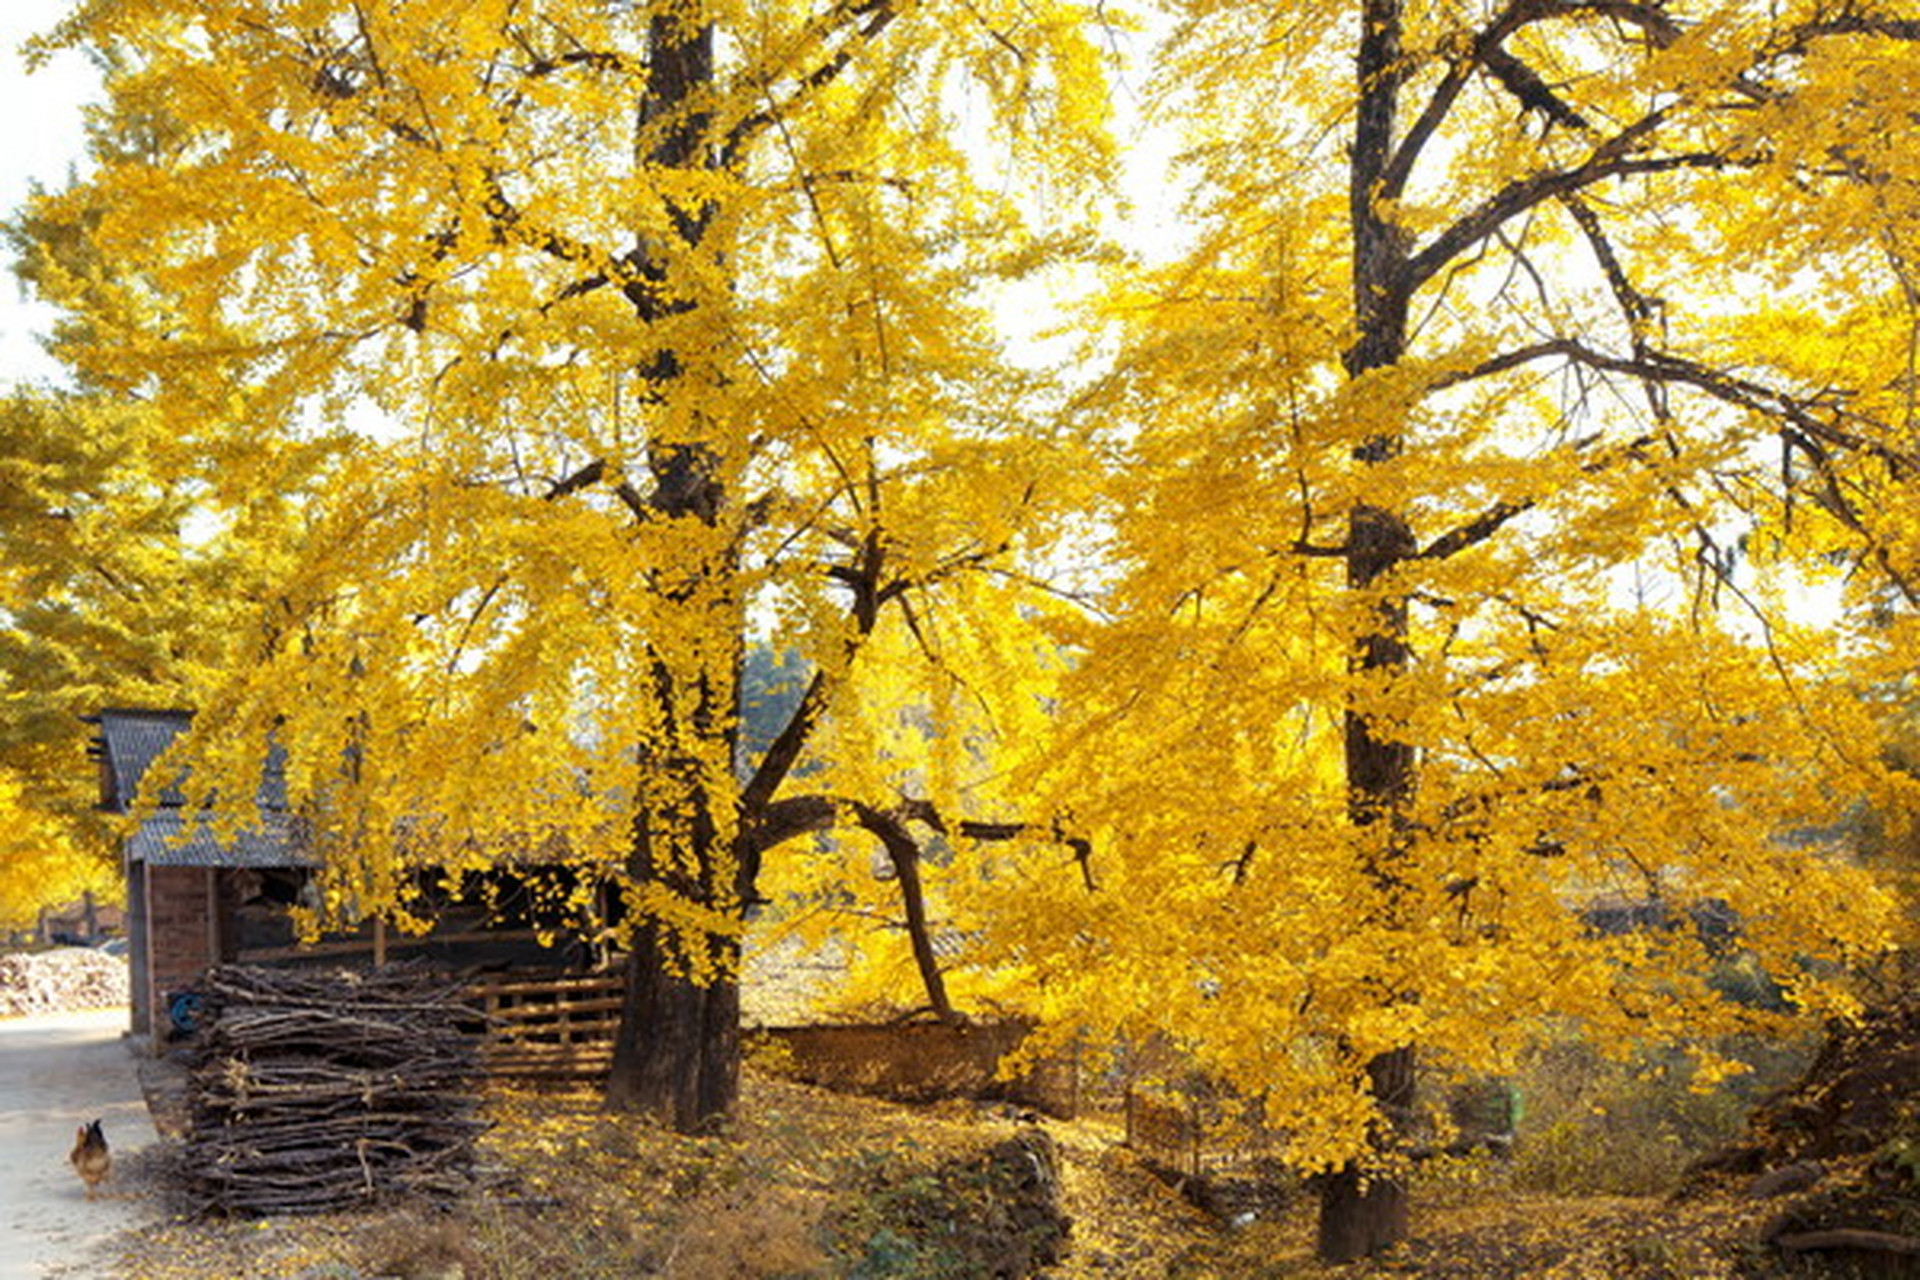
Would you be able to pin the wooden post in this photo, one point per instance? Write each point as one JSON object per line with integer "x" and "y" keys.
{"x": 211, "y": 883}
{"x": 155, "y": 1029}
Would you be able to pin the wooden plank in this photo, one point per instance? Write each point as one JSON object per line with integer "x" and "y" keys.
{"x": 562, "y": 1000}
{"x": 352, "y": 946}
{"x": 550, "y": 1035}
{"x": 555, "y": 1009}
{"x": 510, "y": 1025}
{"x": 553, "y": 1029}
{"x": 546, "y": 1052}
{"x": 551, "y": 986}
{"x": 507, "y": 1062}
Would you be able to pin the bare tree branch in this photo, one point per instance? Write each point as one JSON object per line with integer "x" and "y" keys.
{"x": 1475, "y": 531}
{"x": 1523, "y": 194}
{"x": 1525, "y": 84}
{"x": 784, "y": 819}
{"x": 1485, "y": 49}
{"x": 879, "y": 16}
{"x": 1813, "y": 425}
{"x": 904, "y": 852}
{"x": 1082, "y": 848}
{"x": 591, "y": 474}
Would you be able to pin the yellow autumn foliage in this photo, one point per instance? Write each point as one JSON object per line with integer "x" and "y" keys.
{"x": 40, "y": 865}
{"x": 1511, "y": 523}
{"x": 617, "y": 346}
{"x": 1413, "y": 569}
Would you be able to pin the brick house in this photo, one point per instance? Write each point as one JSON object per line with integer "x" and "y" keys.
{"x": 182, "y": 882}
{"x": 194, "y": 900}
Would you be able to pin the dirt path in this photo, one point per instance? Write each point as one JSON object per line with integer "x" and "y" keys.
{"x": 58, "y": 1071}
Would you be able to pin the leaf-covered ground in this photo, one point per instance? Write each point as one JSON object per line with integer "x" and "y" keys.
{"x": 816, "y": 1184}
{"x": 1500, "y": 1237}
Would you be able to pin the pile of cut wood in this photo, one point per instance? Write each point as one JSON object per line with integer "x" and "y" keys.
{"x": 317, "y": 1091}
{"x": 59, "y": 980}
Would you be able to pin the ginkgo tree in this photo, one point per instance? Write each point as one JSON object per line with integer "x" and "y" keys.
{"x": 1527, "y": 357}
{"x": 115, "y": 588}
{"x": 1531, "y": 365}
{"x": 105, "y": 599}
{"x": 40, "y": 863}
{"x": 624, "y": 330}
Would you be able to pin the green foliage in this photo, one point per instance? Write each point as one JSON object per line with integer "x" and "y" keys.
{"x": 1598, "y": 1124}
{"x": 991, "y": 1214}
{"x": 127, "y": 558}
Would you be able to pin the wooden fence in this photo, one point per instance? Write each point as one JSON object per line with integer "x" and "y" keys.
{"x": 559, "y": 1030}
{"x": 925, "y": 1062}
{"x": 555, "y": 1030}
{"x": 1167, "y": 1130}
{"x": 1200, "y": 1129}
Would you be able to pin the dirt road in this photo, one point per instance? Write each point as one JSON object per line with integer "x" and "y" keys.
{"x": 58, "y": 1071}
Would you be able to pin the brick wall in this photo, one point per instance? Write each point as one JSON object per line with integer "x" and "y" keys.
{"x": 181, "y": 941}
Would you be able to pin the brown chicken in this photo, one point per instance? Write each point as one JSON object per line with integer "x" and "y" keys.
{"x": 90, "y": 1157}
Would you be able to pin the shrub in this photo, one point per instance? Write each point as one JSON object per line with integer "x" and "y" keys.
{"x": 1593, "y": 1125}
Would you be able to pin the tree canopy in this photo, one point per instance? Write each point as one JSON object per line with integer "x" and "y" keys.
{"x": 1531, "y": 368}
{"x": 116, "y": 586}
{"x": 615, "y": 333}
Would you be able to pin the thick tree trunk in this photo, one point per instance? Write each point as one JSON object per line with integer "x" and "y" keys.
{"x": 1362, "y": 1214}
{"x": 677, "y": 1051}
{"x": 1363, "y": 1210}
{"x": 1363, "y": 1207}
{"x": 676, "y": 1056}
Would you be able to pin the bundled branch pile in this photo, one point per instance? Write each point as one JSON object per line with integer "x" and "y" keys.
{"x": 318, "y": 1091}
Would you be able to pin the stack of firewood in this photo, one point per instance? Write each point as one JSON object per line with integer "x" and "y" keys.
{"x": 318, "y": 1091}
{"x": 61, "y": 979}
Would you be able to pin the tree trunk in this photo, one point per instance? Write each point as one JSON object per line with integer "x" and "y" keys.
{"x": 1363, "y": 1213}
{"x": 676, "y": 1053}
{"x": 1363, "y": 1207}
{"x": 1363, "y": 1210}
{"x": 676, "y": 1056}
{"x": 677, "y": 1050}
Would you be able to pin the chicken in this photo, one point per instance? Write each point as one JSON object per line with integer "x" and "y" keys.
{"x": 90, "y": 1157}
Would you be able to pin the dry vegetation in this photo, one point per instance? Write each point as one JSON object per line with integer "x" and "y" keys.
{"x": 815, "y": 1184}
{"x": 1606, "y": 1181}
{"x": 806, "y": 1183}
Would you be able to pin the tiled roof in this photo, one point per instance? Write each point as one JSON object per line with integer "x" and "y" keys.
{"x": 166, "y": 840}
{"x": 133, "y": 740}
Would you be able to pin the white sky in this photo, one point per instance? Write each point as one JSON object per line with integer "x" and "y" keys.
{"x": 41, "y": 141}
